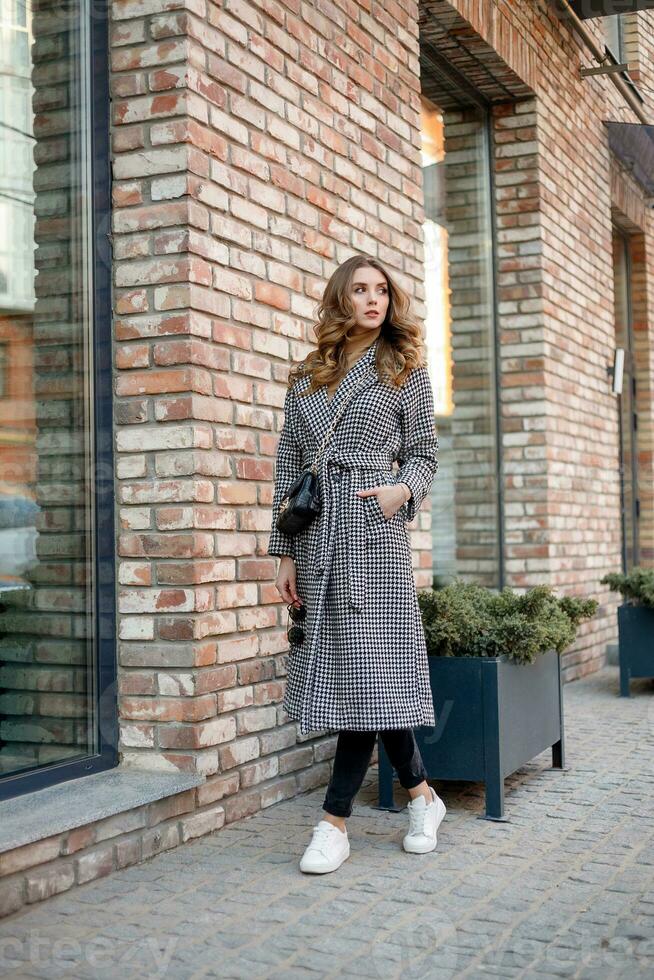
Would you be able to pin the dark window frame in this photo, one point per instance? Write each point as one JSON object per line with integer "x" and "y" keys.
{"x": 4, "y": 362}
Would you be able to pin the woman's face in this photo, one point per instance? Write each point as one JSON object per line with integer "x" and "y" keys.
{"x": 369, "y": 296}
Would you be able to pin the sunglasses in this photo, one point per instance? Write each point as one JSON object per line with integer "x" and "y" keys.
{"x": 295, "y": 634}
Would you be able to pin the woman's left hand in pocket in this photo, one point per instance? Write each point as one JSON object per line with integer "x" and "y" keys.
{"x": 390, "y": 497}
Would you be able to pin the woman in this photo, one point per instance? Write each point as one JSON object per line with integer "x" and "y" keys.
{"x": 358, "y": 659}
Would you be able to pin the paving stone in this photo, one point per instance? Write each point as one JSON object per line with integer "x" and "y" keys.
{"x": 565, "y": 888}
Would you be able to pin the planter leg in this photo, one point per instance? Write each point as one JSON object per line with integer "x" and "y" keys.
{"x": 385, "y": 783}
{"x": 495, "y": 801}
{"x": 624, "y": 678}
{"x": 492, "y": 746}
{"x": 558, "y": 755}
{"x": 558, "y": 748}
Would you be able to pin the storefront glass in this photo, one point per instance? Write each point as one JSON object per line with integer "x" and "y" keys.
{"x": 49, "y": 690}
{"x": 627, "y": 405}
{"x": 461, "y": 345}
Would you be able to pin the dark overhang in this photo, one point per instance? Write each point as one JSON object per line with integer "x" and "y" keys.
{"x": 633, "y": 144}
{"x": 604, "y": 8}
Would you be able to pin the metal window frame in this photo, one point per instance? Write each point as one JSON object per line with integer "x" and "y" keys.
{"x": 104, "y": 608}
{"x": 4, "y": 362}
{"x": 497, "y": 405}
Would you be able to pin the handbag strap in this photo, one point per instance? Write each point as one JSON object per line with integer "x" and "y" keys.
{"x": 330, "y": 430}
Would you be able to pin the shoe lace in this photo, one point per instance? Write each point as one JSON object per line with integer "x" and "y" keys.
{"x": 417, "y": 819}
{"x": 321, "y": 836}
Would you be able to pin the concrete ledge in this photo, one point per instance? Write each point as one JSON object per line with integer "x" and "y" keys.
{"x": 77, "y": 802}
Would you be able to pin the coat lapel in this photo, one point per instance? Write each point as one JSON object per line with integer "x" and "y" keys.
{"x": 319, "y": 411}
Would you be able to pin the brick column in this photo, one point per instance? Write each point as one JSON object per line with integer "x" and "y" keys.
{"x": 253, "y": 153}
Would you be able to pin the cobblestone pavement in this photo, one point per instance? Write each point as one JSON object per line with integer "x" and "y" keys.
{"x": 565, "y": 889}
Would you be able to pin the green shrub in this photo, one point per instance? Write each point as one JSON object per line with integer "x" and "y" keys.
{"x": 468, "y": 620}
{"x": 637, "y": 587}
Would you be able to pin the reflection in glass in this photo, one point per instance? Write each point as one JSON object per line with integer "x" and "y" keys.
{"x": 460, "y": 341}
{"x": 46, "y": 559}
{"x": 614, "y": 34}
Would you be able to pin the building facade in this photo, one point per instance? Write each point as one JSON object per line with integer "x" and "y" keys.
{"x": 179, "y": 179}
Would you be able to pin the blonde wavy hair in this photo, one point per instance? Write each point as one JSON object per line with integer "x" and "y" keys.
{"x": 401, "y": 346}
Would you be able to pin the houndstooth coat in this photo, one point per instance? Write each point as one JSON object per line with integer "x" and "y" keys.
{"x": 363, "y": 661}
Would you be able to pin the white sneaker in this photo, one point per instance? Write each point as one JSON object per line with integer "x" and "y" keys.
{"x": 424, "y": 821}
{"x": 327, "y": 850}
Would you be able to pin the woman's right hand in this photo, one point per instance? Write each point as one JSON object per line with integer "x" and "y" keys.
{"x": 286, "y": 580}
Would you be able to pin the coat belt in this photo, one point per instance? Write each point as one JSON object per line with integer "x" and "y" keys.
{"x": 356, "y": 558}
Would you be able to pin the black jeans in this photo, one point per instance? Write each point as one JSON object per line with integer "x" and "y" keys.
{"x": 353, "y": 752}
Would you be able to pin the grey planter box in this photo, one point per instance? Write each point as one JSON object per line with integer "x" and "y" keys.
{"x": 636, "y": 639}
{"x": 492, "y": 716}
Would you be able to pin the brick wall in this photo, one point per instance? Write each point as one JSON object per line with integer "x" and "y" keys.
{"x": 582, "y": 417}
{"x": 555, "y": 205}
{"x": 255, "y": 147}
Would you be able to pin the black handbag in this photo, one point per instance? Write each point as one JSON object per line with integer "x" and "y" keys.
{"x": 300, "y": 505}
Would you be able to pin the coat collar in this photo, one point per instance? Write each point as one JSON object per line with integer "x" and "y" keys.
{"x": 318, "y": 411}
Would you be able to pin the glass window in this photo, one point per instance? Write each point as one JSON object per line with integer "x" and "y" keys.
{"x": 48, "y": 649}
{"x": 614, "y": 35}
{"x": 627, "y": 414}
{"x": 460, "y": 341}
